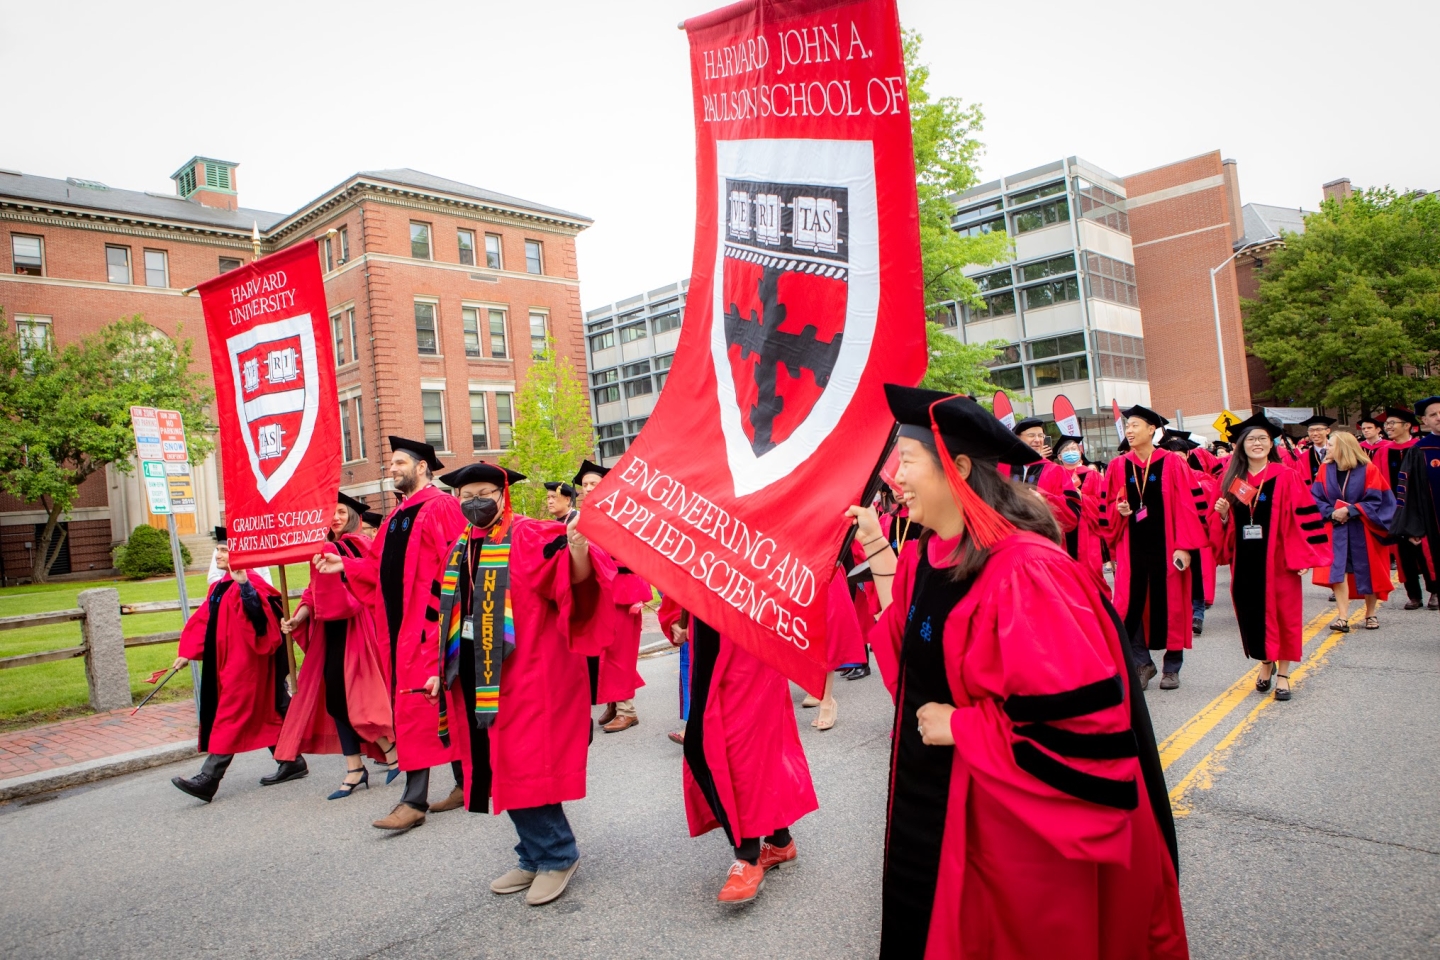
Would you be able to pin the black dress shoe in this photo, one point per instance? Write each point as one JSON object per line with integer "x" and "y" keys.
{"x": 202, "y": 786}
{"x": 1197, "y": 626}
{"x": 857, "y": 673}
{"x": 287, "y": 770}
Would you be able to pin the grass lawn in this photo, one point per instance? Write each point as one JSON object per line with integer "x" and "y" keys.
{"x": 55, "y": 691}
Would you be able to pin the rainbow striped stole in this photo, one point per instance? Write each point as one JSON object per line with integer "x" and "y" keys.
{"x": 494, "y": 620}
{"x": 491, "y": 615}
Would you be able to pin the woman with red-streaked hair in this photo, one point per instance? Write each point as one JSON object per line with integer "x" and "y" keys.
{"x": 1027, "y": 811}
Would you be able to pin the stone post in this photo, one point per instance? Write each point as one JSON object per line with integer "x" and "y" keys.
{"x": 105, "y": 667}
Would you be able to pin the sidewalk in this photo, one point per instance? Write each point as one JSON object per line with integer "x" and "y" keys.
{"x": 58, "y": 755}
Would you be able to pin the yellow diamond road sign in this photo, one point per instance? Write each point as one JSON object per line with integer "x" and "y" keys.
{"x": 1223, "y": 423}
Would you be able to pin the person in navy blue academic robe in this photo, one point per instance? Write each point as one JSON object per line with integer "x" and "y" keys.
{"x": 1418, "y": 488}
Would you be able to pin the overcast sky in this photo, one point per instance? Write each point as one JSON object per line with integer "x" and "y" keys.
{"x": 586, "y": 105}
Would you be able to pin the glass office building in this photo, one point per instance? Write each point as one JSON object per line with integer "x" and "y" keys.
{"x": 629, "y": 346}
{"x": 1066, "y": 306}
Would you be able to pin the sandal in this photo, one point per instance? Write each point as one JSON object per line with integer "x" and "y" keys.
{"x": 1283, "y": 694}
{"x": 1340, "y": 625}
{"x": 1262, "y": 684}
{"x": 826, "y": 718}
{"x": 1372, "y": 623}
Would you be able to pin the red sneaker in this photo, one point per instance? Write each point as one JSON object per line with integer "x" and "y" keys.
{"x": 772, "y": 856}
{"x": 744, "y": 883}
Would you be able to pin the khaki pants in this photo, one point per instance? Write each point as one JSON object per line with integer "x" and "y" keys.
{"x": 625, "y": 708}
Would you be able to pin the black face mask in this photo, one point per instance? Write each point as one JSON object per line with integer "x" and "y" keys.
{"x": 480, "y": 511}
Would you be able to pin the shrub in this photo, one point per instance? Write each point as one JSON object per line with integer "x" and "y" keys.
{"x": 147, "y": 554}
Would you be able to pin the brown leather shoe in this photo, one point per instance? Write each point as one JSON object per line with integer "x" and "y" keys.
{"x": 455, "y": 801}
{"x": 608, "y": 715}
{"x": 403, "y": 817}
{"x": 621, "y": 723}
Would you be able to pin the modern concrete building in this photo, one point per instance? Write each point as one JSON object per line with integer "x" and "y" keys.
{"x": 1067, "y": 304}
{"x": 628, "y": 348}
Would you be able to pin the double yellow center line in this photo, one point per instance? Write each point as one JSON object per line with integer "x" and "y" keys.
{"x": 1192, "y": 731}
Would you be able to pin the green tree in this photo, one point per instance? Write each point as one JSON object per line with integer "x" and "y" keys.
{"x": 957, "y": 367}
{"x": 552, "y": 429}
{"x": 65, "y": 411}
{"x": 946, "y": 149}
{"x": 944, "y": 130}
{"x": 1348, "y": 313}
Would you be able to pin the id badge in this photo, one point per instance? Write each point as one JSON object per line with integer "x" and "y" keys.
{"x": 467, "y": 628}
{"x": 1142, "y": 514}
{"x": 1252, "y": 531}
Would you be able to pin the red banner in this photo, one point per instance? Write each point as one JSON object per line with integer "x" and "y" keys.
{"x": 276, "y": 406}
{"x": 805, "y": 298}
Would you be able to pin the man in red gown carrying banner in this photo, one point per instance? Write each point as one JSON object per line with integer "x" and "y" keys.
{"x": 279, "y": 430}
{"x": 279, "y": 421}
{"x": 805, "y": 297}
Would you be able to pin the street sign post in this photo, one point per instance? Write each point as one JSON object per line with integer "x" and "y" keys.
{"x": 170, "y": 489}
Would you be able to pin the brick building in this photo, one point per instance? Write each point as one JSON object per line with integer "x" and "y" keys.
{"x": 1185, "y": 219}
{"x": 440, "y": 293}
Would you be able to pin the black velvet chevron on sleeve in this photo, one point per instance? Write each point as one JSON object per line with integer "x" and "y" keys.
{"x": 1048, "y": 707}
{"x": 554, "y": 546}
{"x": 1087, "y": 746}
{"x": 1120, "y": 794}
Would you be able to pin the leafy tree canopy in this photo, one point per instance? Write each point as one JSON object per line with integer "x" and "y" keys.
{"x": 65, "y": 411}
{"x": 944, "y": 131}
{"x": 1347, "y": 312}
{"x": 552, "y": 429}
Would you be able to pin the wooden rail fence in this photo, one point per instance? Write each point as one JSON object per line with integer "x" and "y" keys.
{"x": 102, "y": 641}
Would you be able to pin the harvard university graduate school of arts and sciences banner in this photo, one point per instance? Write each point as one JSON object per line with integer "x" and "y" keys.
{"x": 279, "y": 420}
{"x": 805, "y": 298}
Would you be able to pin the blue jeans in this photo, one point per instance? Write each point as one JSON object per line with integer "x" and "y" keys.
{"x": 546, "y": 840}
{"x": 1197, "y": 608}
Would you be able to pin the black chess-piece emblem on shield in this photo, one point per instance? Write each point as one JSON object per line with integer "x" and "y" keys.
{"x": 762, "y": 336}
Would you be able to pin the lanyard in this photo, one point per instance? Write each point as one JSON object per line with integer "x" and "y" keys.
{"x": 1144, "y": 476}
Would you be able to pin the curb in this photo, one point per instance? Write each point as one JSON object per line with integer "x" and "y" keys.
{"x": 91, "y": 770}
{"x": 657, "y": 647}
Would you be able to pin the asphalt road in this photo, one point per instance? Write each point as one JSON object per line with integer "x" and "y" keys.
{"x": 1313, "y": 831}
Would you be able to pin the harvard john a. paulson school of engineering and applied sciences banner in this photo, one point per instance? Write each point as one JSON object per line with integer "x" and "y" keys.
{"x": 279, "y": 421}
{"x": 805, "y": 298}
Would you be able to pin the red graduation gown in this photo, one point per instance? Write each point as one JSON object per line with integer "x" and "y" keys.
{"x": 427, "y": 523}
{"x": 1139, "y": 561}
{"x": 619, "y": 674}
{"x": 541, "y": 735}
{"x": 1028, "y": 870}
{"x": 1054, "y": 483}
{"x": 308, "y": 726}
{"x": 1084, "y": 542}
{"x": 844, "y": 639}
{"x": 244, "y": 663}
{"x": 1268, "y": 601}
{"x": 743, "y": 758}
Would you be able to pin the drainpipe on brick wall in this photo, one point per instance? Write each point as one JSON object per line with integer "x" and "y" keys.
{"x": 374, "y": 367}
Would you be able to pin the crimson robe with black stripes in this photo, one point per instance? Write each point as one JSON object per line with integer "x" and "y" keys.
{"x": 1058, "y": 838}
{"x": 1149, "y": 591}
